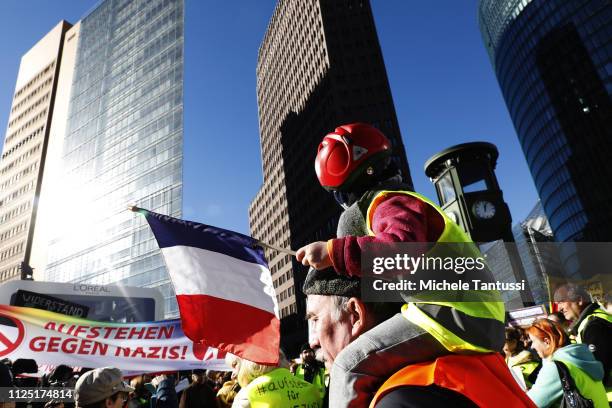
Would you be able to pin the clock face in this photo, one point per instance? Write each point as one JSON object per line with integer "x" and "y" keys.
{"x": 483, "y": 209}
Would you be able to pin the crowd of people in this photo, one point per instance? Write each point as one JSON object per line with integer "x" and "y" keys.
{"x": 427, "y": 352}
{"x": 95, "y": 387}
{"x": 248, "y": 384}
{"x": 441, "y": 349}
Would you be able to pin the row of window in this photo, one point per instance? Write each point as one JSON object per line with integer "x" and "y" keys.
{"x": 125, "y": 27}
{"x": 16, "y": 230}
{"x": 288, "y": 310}
{"x": 25, "y": 126}
{"x": 12, "y": 251}
{"x": 283, "y": 278}
{"x": 18, "y": 176}
{"x": 125, "y": 75}
{"x": 121, "y": 85}
{"x": 285, "y": 294}
{"x": 17, "y": 193}
{"x": 10, "y": 272}
{"x": 15, "y": 212}
{"x": 152, "y": 90}
{"x": 42, "y": 87}
{"x": 29, "y": 110}
{"x": 282, "y": 262}
{"x": 126, "y": 45}
{"x": 166, "y": 129}
{"x": 20, "y": 159}
{"x": 142, "y": 115}
{"x": 30, "y": 83}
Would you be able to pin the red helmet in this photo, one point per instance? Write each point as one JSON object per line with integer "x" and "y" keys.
{"x": 349, "y": 155}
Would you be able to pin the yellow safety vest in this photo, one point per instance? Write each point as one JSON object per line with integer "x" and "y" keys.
{"x": 484, "y": 310}
{"x": 527, "y": 369}
{"x": 597, "y": 313}
{"x": 318, "y": 380}
{"x": 279, "y": 388}
{"x": 588, "y": 388}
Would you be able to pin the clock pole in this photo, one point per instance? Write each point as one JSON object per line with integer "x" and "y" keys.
{"x": 469, "y": 193}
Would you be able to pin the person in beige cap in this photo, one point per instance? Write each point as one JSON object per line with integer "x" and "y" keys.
{"x": 101, "y": 388}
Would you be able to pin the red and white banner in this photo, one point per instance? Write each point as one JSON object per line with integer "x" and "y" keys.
{"x": 53, "y": 338}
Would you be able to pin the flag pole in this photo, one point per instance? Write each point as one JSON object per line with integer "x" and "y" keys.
{"x": 133, "y": 208}
{"x": 275, "y": 248}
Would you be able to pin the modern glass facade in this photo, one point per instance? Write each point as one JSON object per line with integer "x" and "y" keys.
{"x": 122, "y": 145}
{"x": 553, "y": 61}
{"x": 498, "y": 259}
{"x": 533, "y": 238}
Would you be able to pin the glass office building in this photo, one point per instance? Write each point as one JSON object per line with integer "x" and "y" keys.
{"x": 122, "y": 145}
{"x": 539, "y": 255}
{"x": 553, "y": 61}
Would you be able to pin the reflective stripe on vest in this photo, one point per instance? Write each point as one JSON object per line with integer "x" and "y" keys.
{"x": 597, "y": 313}
{"x": 482, "y": 378}
{"x": 484, "y": 312}
{"x": 279, "y": 388}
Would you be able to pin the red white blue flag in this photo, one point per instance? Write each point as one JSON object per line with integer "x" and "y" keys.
{"x": 223, "y": 287}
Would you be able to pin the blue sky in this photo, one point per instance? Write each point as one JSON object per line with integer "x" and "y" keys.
{"x": 443, "y": 86}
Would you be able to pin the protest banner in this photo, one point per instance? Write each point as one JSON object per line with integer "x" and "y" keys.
{"x": 53, "y": 338}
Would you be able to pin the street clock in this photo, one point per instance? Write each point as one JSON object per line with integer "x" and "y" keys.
{"x": 468, "y": 192}
{"x": 483, "y": 209}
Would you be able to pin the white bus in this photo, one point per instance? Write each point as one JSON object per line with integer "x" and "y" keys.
{"x": 106, "y": 303}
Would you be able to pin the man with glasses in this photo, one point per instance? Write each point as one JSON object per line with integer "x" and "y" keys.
{"x": 102, "y": 388}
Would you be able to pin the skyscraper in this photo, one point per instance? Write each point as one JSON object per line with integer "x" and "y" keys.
{"x": 552, "y": 61}
{"x": 116, "y": 139}
{"x": 539, "y": 257}
{"x": 24, "y": 152}
{"x": 498, "y": 259}
{"x": 539, "y": 254}
{"x": 319, "y": 66}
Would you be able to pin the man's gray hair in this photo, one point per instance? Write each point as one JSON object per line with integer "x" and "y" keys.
{"x": 571, "y": 292}
{"x": 380, "y": 311}
{"x": 339, "y": 305}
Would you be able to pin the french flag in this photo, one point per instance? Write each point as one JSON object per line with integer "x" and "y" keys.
{"x": 223, "y": 287}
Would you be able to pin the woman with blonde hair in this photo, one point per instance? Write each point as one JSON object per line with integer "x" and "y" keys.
{"x": 273, "y": 386}
{"x": 552, "y": 344}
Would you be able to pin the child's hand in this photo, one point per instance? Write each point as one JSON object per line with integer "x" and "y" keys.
{"x": 315, "y": 255}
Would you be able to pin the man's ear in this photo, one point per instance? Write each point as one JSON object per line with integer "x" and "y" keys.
{"x": 358, "y": 316}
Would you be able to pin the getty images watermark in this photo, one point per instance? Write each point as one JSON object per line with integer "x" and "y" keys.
{"x": 439, "y": 271}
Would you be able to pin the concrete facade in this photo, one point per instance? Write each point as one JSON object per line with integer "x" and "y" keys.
{"x": 319, "y": 66}
{"x": 23, "y": 156}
